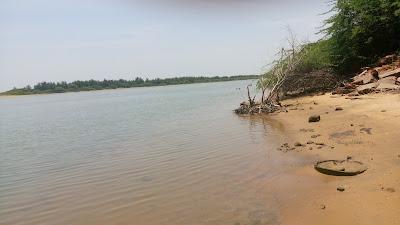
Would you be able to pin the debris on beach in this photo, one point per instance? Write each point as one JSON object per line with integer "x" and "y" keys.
{"x": 314, "y": 118}
{"x": 346, "y": 167}
{"x": 340, "y": 188}
{"x": 382, "y": 78}
{"x": 298, "y": 144}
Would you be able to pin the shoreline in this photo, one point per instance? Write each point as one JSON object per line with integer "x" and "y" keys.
{"x": 119, "y": 88}
{"x": 367, "y": 129}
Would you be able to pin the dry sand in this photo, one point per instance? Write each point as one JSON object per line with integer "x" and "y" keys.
{"x": 368, "y": 130}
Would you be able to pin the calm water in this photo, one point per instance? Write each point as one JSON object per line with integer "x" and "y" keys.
{"x": 173, "y": 155}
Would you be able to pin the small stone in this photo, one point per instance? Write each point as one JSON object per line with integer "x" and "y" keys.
{"x": 340, "y": 188}
{"x": 315, "y": 135}
{"x": 326, "y": 112}
{"x": 310, "y": 148}
{"x": 351, "y": 125}
{"x": 298, "y": 144}
{"x": 314, "y": 118}
{"x": 319, "y": 143}
{"x": 338, "y": 109}
{"x": 323, "y": 206}
{"x": 315, "y": 103}
{"x": 349, "y": 157}
{"x": 310, "y": 142}
{"x": 332, "y": 147}
{"x": 311, "y": 108}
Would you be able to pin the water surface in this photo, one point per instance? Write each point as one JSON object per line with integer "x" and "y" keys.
{"x": 146, "y": 156}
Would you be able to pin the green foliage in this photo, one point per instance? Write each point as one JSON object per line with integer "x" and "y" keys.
{"x": 316, "y": 56}
{"x": 361, "y": 31}
{"x": 308, "y": 57}
{"x": 357, "y": 34}
{"x": 60, "y": 87}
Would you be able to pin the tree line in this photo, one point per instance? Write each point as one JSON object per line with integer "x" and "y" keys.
{"x": 89, "y": 85}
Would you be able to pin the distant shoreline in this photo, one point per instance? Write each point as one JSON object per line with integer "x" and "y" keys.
{"x": 94, "y": 85}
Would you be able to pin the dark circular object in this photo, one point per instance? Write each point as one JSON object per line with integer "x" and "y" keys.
{"x": 340, "y": 167}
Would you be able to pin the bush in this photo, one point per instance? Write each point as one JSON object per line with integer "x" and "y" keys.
{"x": 361, "y": 31}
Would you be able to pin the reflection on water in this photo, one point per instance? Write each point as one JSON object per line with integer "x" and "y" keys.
{"x": 162, "y": 155}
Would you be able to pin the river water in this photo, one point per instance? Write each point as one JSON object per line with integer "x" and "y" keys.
{"x": 174, "y": 155}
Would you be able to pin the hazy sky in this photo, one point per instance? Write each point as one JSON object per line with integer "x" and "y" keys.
{"x": 55, "y": 40}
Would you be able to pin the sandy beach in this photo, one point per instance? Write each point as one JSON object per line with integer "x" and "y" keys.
{"x": 366, "y": 129}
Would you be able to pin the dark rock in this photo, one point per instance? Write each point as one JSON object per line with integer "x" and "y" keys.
{"x": 323, "y": 207}
{"x": 298, "y": 144}
{"x": 340, "y": 188}
{"x": 314, "y": 118}
{"x": 319, "y": 143}
{"x": 310, "y": 142}
{"x": 338, "y": 109}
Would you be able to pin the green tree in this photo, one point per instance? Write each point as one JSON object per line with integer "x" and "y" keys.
{"x": 361, "y": 31}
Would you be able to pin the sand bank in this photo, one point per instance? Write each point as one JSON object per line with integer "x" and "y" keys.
{"x": 368, "y": 130}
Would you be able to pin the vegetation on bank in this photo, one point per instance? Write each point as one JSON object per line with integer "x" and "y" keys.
{"x": 356, "y": 35}
{"x": 90, "y": 85}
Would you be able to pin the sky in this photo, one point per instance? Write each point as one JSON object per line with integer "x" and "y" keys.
{"x": 67, "y": 40}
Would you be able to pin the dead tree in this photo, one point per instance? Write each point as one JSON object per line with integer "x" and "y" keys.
{"x": 286, "y": 64}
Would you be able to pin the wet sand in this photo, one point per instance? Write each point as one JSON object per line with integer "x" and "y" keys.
{"x": 368, "y": 130}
